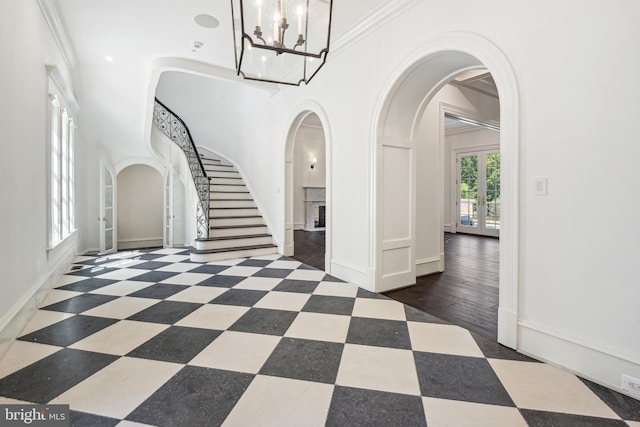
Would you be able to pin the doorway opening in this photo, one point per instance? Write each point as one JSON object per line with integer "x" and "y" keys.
{"x": 307, "y": 201}
{"x": 404, "y": 127}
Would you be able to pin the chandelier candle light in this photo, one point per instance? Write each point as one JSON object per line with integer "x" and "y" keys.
{"x": 296, "y": 49}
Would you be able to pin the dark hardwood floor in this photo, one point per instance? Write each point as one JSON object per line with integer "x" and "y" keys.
{"x": 465, "y": 294}
{"x": 309, "y": 247}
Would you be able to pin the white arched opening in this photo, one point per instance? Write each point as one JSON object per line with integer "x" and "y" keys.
{"x": 307, "y": 111}
{"x": 399, "y": 111}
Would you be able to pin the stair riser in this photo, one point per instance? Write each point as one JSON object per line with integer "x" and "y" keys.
{"x": 230, "y": 222}
{"x": 228, "y": 232}
{"x": 228, "y": 195}
{"x": 232, "y": 243}
{"x": 213, "y": 213}
{"x": 234, "y": 254}
{"x": 228, "y": 188}
{"x": 222, "y": 181}
{"x": 207, "y": 163}
{"x": 232, "y": 204}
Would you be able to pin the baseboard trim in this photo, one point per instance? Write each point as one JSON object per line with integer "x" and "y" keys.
{"x": 349, "y": 274}
{"x": 601, "y": 364}
{"x": 428, "y": 266}
{"x": 12, "y": 323}
{"x": 140, "y": 243}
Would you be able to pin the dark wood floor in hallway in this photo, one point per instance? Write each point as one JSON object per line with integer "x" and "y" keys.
{"x": 465, "y": 294}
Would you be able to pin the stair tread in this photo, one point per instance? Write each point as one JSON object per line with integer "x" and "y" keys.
{"x": 225, "y": 177}
{"x": 229, "y": 227}
{"x": 231, "y": 200}
{"x": 238, "y": 207}
{"x": 235, "y": 217}
{"x": 234, "y": 249}
{"x": 246, "y": 236}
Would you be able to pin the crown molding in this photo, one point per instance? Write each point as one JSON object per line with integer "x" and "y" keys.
{"x": 389, "y": 11}
{"x": 52, "y": 16}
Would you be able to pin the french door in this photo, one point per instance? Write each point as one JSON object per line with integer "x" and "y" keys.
{"x": 478, "y": 192}
{"x": 107, "y": 211}
{"x": 173, "y": 209}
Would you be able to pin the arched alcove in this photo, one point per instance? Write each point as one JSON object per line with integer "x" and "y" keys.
{"x": 399, "y": 111}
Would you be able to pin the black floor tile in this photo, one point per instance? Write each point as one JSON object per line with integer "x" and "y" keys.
{"x": 155, "y": 276}
{"x": 241, "y": 297}
{"x": 494, "y": 350}
{"x": 166, "y": 312}
{"x": 626, "y": 407}
{"x": 415, "y": 315}
{"x": 80, "y": 303}
{"x": 469, "y": 379}
{"x": 379, "y": 332}
{"x": 306, "y": 267}
{"x": 363, "y": 293}
{"x": 47, "y": 378}
{"x": 149, "y": 257}
{"x": 176, "y": 344}
{"x": 369, "y": 408}
{"x": 151, "y": 265}
{"x": 222, "y": 281}
{"x": 255, "y": 263}
{"x": 158, "y": 291}
{"x": 82, "y": 419}
{"x": 330, "y": 278}
{"x": 264, "y": 321}
{"x": 92, "y": 271}
{"x": 279, "y": 273}
{"x": 209, "y": 269}
{"x": 88, "y": 285}
{"x": 301, "y": 286}
{"x": 556, "y": 419}
{"x": 305, "y": 360}
{"x": 329, "y": 305}
{"x": 68, "y": 331}
{"x": 193, "y": 397}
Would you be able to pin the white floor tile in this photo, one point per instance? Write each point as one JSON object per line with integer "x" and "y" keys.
{"x": 311, "y": 275}
{"x": 258, "y": 283}
{"x": 122, "y": 274}
{"x": 122, "y": 288}
{"x": 22, "y": 353}
{"x": 175, "y": 258}
{"x": 178, "y": 267}
{"x": 320, "y": 327}
{"x": 57, "y": 295}
{"x": 378, "y": 368}
{"x": 68, "y": 279}
{"x": 119, "y": 388}
{"x": 454, "y": 413}
{"x": 120, "y": 338}
{"x": 290, "y": 301}
{"x": 237, "y": 351}
{"x": 241, "y": 270}
{"x": 188, "y": 279}
{"x": 445, "y": 339}
{"x": 379, "y": 309}
{"x": 290, "y": 265}
{"x": 546, "y": 388}
{"x": 216, "y": 316}
{"x": 336, "y": 289}
{"x": 121, "y": 308}
{"x": 197, "y": 294}
{"x": 259, "y": 405}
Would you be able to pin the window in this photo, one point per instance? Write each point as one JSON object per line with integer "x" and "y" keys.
{"x": 61, "y": 149}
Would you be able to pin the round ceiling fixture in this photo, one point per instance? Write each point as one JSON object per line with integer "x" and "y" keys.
{"x": 206, "y": 21}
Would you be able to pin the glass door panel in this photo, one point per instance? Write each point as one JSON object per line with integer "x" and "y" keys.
{"x": 468, "y": 191}
{"x": 107, "y": 211}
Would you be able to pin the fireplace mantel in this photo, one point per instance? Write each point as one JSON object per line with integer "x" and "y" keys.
{"x": 314, "y": 197}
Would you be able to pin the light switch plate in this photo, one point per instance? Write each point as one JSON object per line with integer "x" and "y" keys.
{"x": 540, "y": 186}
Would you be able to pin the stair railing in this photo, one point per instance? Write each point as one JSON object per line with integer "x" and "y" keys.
{"x": 167, "y": 122}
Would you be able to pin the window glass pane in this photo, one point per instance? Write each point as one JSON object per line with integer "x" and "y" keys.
{"x": 55, "y": 169}
{"x": 64, "y": 174}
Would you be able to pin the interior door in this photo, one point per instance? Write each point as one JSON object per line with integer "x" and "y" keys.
{"x": 478, "y": 192}
{"x": 107, "y": 218}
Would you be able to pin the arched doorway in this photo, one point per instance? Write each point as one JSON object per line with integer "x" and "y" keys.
{"x": 140, "y": 205}
{"x": 308, "y": 198}
{"x": 397, "y": 132}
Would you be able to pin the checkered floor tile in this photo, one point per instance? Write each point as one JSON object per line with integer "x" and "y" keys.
{"x": 148, "y": 337}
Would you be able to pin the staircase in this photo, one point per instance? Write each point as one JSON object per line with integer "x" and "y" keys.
{"x": 236, "y": 228}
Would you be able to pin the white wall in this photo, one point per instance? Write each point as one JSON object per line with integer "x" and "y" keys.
{"x": 309, "y": 143}
{"x": 140, "y": 207}
{"x": 475, "y": 138}
{"x": 28, "y": 268}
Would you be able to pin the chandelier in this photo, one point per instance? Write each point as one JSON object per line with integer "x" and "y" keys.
{"x": 281, "y": 41}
